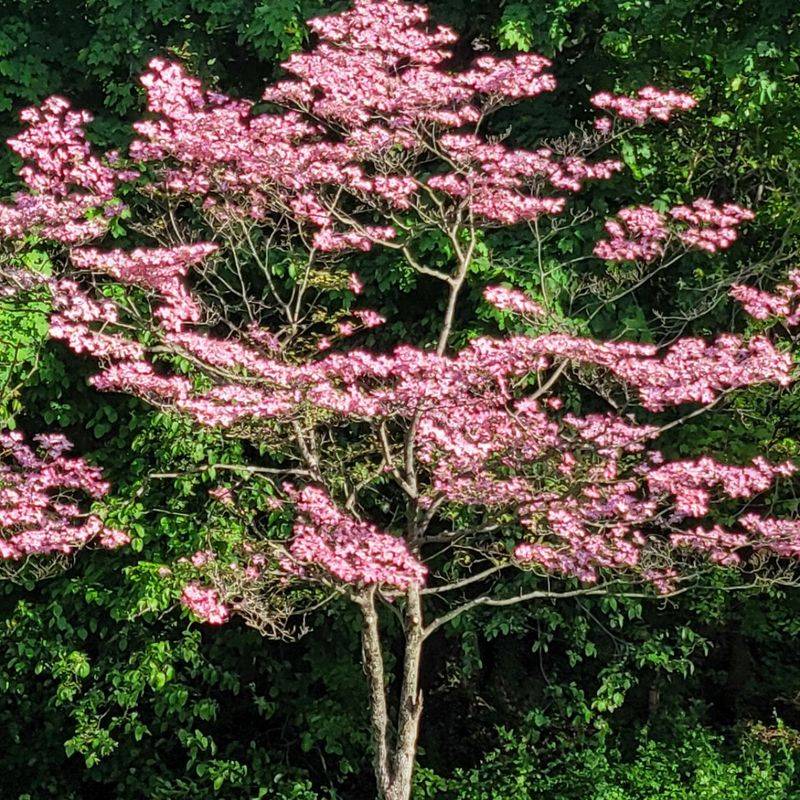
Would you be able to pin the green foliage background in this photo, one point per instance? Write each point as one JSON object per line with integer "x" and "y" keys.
{"x": 107, "y": 691}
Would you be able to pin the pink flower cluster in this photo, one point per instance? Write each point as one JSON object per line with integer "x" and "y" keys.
{"x": 708, "y": 226}
{"x": 785, "y": 302}
{"x": 246, "y": 164}
{"x": 331, "y": 241}
{"x": 501, "y": 166}
{"x": 381, "y": 64}
{"x": 719, "y": 544}
{"x": 39, "y": 499}
{"x": 512, "y": 300}
{"x": 202, "y": 557}
{"x": 641, "y": 233}
{"x": 649, "y": 103}
{"x": 369, "y": 318}
{"x": 597, "y": 528}
{"x": 509, "y": 207}
{"x": 348, "y": 549}
{"x": 205, "y": 604}
{"x": 161, "y": 270}
{"x": 610, "y": 433}
{"x": 354, "y": 283}
{"x": 364, "y": 320}
{"x": 691, "y": 370}
{"x": 14, "y": 280}
{"x": 65, "y": 181}
{"x": 779, "y": 536}
{"x": 521, "y": 76}
{"x": 222, "y": 494}
{"x": 637, "y": 234}
{"x": 768, "y": 535}
{"x": 690, "y": 481}
{"x": 502, "y": 185}
{"x": 74, "y": 311}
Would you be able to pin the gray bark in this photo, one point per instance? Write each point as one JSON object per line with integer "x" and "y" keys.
{"x": 394, "y": 756}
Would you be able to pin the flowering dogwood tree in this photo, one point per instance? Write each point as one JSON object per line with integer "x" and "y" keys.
{"x": 416, "y": 478}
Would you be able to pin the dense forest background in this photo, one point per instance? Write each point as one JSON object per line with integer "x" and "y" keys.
{"x": 107, "y": 691}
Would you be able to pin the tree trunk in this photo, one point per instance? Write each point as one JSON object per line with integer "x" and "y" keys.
{"x": 394, "y": 746}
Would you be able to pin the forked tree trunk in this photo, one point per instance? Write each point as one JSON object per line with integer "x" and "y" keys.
{"x": 394, "y": 745}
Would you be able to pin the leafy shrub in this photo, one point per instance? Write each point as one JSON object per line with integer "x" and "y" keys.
{"x": 687, "y": 761}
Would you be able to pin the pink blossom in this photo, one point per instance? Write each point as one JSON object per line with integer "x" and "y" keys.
{"x": 65, "y": 180}
{"x": 368, "y": 318}
{"x": 350, "y": 550}
{"x": 354, "y": 284}
{"x": 708, "y": 226}
{"x": 649, "y": 103}
{"x": 785, "y": 302}
{"x": 202, "y": 557}
{"x": 222, "y": 494}
{"x": 690, "y": 481}
{"x": 511, "y": 300}
{"x": 637, "y": 234}
{"x": 641, "y": 233}
{"x": 205, "y": 604}
{"x": 603, "y": 125}
{"x": 40, "y": 491}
